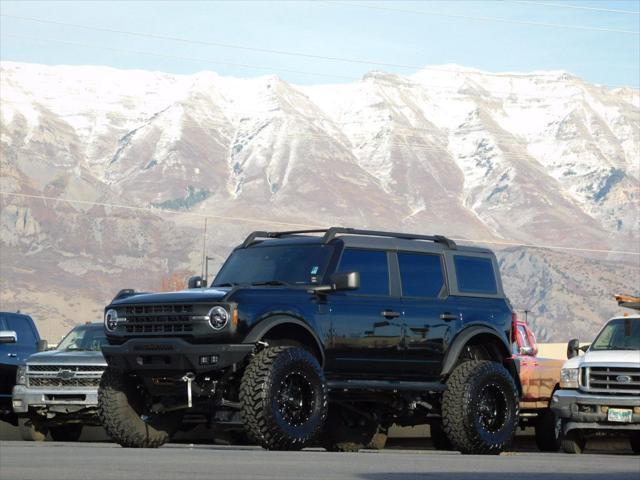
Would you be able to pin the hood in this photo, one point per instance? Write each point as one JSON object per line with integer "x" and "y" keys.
{"x": 603, "y": 357}
{"x": 67, "y": 357}
{"x": 194, "y": 295}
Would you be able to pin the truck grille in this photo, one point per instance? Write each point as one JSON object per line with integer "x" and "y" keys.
{"x": 157, "y": 319}
{"x": 614, "y": 380}
{"x": 64, "y": 383}
{"x": 64, "y": 376}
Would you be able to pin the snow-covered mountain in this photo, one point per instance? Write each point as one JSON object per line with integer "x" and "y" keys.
{"x": 542, "y": 158}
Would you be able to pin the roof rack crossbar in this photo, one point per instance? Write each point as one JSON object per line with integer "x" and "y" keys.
{"x": 333, "y": 231}
{"x": 330, "y": 234}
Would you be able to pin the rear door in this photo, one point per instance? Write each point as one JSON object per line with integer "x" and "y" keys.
{"x": 366, "y": 324}
{"x": 428, "y": 313}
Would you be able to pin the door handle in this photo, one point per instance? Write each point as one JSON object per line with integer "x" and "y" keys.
{"x": 447, "y": 317}
{"x": 390, "y": 314}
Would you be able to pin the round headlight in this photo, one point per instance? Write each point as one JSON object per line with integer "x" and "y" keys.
{"x": 111, "y": 320}
{"x": 218, "y": 318}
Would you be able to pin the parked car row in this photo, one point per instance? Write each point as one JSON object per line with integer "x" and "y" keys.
{"x": 304, "y": 340}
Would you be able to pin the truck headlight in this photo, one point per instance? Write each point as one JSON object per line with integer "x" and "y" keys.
{"x": 21, "y": 375}
{"x": 111, "y": 320}
{"x": 569, "y": 377}
{"x": 218, "y": 317}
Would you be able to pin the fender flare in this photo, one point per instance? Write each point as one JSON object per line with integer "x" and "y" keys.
{"x": 451, "y": 358}
{"x": 267, "y": 324}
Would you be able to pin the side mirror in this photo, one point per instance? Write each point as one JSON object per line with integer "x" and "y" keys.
{"x": 43, "y": 345}
{"x": 195, "y": 282}
{"x": 572, "y": 348}
{"x": 8, "y": 336}
{"x": 529, "y": 351}
{"x": 345, "y": 281}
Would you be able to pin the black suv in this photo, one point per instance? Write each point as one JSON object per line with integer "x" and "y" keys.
{"x": 320, "y": 339}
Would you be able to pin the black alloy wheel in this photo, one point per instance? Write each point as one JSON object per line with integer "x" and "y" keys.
{"x": 295, "y": 398}
{"x": 492, "y": 408}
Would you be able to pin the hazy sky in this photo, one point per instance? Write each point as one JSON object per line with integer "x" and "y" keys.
{"x": 596, "y": 40}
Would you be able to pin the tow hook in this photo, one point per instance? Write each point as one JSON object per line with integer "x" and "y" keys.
{"x": 189, "y": 378}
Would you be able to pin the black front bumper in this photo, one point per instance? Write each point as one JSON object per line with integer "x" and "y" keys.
{"x": 166, "y": 355}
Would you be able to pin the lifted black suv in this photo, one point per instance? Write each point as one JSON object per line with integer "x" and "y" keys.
{"x": 320, "y": 339}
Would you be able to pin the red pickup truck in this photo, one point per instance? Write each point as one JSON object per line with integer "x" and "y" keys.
{"x": 540, "y": 377}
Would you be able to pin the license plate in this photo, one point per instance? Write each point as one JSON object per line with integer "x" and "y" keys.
{"x": 619, "y": 415}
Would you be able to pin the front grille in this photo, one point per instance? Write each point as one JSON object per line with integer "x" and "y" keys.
{"x": 614, "y": 380}
{"x": 97, "y": 369}
{"x": 64, "y": 376}
{"x": 64, "y": 383}
{"x": 157, "y": 319}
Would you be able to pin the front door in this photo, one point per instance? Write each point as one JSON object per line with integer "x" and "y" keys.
{"x": 366, "y": 324}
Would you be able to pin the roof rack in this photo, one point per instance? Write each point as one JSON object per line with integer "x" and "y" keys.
{"x": 330, "y": 234}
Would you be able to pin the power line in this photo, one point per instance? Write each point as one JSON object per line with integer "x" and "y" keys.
{"x": 576, "y": 7}
{"x": 260, "y": 50}
{"x": 446, "y": 88}
{"x": 482, "y": 18}
{"x": 298, "y": 225}
{"x": 178, "y": 57}
{"x": 156, "y": 210}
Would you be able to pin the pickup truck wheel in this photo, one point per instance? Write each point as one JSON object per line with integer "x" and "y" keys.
{"x": 480, "y": 408}
{"x": 634, "y": 440}
{"x": 122, "y": 410}
{"x": 31, "y": 429}
{"x": 439, "y": 437}
{"x": 283, "y": 395}
{"x": 66, "y": 433}
{"x": 346, "y": 431}
{"x": 574, "y": 442}
{"x": 548, "y": 430}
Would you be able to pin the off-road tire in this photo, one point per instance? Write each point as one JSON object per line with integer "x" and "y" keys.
{"x": 120, "y": 408}
{"x": 439, "y": 437}
{"x": 66, "y": 433}
{"x": 261, "y": 391}
{"x": 573, "y": 442}
{"x": 346, "y": 431}
{"x": 471, "y": 388}
{"x": 31, "y": 429}
{"x": 548, "y": 431}
{"x": 634, "y": 440}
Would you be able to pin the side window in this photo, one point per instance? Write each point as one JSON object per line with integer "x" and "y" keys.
{"x": 475, "y": 275}
{"x": 421, "y": 274}
{"x": 22, "y": 328}
{"x": 373, "y": 267}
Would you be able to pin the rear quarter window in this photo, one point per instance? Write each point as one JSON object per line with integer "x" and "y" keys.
{"x": 475, "y": 275}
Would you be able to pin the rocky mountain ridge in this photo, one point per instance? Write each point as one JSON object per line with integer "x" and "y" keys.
{"x": 537, "y": 159}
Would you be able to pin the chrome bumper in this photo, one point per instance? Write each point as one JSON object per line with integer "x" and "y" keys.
{"x": 59, "y": 400}
{"x": 584, "y": 410}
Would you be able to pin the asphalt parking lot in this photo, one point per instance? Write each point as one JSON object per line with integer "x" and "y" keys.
{"x": 89, "y": 461}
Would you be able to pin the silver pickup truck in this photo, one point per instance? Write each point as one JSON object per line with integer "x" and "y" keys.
{"x": 57, "y": 390}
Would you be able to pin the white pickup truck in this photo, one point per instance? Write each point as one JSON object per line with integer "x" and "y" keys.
{"x": 600, "y": 390}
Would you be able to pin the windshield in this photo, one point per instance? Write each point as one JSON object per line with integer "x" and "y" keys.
{"x": 283, "y": 264}
{"x": 619, "y": 334}
{"x": 84, "y": 337}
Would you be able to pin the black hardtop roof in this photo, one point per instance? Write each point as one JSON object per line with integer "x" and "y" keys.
{"x": 357, "y": 238}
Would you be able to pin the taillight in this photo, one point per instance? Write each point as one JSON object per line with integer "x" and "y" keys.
{"x": 514, "y": 327}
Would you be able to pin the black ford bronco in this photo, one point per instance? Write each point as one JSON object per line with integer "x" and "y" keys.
{"x": 324, "y": 338}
